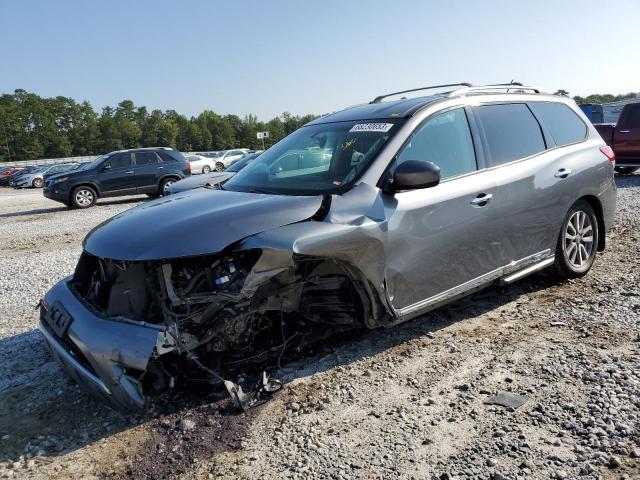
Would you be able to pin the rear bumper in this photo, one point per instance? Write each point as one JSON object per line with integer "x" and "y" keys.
{"x": 608, "y": 200}
{"x": 105, "y": 357}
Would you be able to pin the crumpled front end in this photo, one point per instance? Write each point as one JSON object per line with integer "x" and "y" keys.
{"x": 139, "y": 326}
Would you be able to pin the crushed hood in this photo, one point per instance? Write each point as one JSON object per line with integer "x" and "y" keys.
{"x": 195, "y": 222}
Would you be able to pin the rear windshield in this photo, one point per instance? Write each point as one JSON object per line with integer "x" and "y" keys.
{"x": 321, "y": 158}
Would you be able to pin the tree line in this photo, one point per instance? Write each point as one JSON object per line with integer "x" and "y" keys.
{"x": 33, "y": 127}
{"x": 606, "y": 98}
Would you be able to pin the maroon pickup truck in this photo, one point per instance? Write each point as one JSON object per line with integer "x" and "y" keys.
{"x": 624, "y": 138}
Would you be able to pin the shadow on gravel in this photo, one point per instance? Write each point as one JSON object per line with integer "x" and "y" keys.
{"x": 43, "y": 211}
{"x": 48, "y": 415}
{"x": 628, "y": 181}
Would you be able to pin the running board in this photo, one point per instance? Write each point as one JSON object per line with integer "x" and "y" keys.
{"x": 527, "y": 271}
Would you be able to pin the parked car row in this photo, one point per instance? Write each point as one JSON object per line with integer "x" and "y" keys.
{"x": 218, "y": 161}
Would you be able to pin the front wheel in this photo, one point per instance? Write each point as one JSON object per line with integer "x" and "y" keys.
{"x": 578, "y": 241}
{"x": 219, "y": 167}
{"x": 37, "y": 183}
{"x": 206, "y": 169}
{"x": 83, "y": 197}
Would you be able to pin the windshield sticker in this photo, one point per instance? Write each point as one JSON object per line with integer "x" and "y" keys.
{"x": 371, "y": 127}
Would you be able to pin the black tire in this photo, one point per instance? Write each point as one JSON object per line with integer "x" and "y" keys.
{"x": 219, "y": 167}
{"x": 625, "y": 170}
{"x": 206, "y": 169}
{"x": 575, "y": 257}
{"x": 83, "y": 197}
{"x": 37, "y": 183}
{"x": 165, "y": 183}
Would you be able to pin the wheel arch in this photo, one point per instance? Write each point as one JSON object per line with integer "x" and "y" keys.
{"x": 166, "y": 176}
{"x": 86, "y": 184}
{"x": 594, "y": 202}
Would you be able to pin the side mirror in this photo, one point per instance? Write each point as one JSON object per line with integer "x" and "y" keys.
{"x": 106, "y": 167}
{"x": 413, "y": 175}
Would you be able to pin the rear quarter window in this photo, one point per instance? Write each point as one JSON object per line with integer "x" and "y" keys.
{"x": 171, "y": 156}
{"x": 561, "y": 122}
{"x": 511, "y": 132}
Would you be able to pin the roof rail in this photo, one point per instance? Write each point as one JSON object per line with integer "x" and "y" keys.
{"x": 513, "y": 87}
{"x": 379, "y": 99}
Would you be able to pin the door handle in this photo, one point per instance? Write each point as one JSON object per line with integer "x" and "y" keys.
{"x": 563, "y": 173}
{"x": 482, "y": 199}
{"x": 160, "y": 167}
{"x": 128, "y": 171}
{"x": 624, "y": 131}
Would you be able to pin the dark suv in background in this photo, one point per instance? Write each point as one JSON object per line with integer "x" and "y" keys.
{"x": 125, "y": 172}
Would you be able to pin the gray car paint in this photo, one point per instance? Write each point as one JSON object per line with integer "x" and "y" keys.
{"x": 220, "y": 218}
{"x": 411, "y": 251}
{"x": 195, "y": 181}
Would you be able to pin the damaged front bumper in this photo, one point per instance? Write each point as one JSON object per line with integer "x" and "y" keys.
{"x": 105, "y": 357}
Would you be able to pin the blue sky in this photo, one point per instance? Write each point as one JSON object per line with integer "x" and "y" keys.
{"x": 315, "y": 56}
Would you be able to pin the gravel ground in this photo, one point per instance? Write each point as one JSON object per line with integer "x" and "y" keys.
{"x": 408, "y": 402}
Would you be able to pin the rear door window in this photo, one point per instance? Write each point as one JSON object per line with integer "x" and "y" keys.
{"x": 633, "y": 118}
{"x": 119, "y": 160}
{"x": 511, "y": 132}
{"x": 561, "y": 122}
{"x": 444, "y": 139}
{"x": 146, "y": 158}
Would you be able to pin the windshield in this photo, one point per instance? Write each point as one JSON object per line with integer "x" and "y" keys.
{"x": 243, "y": 162}
{"x": 324, "y": 158}
{"x": 93, "y": 163}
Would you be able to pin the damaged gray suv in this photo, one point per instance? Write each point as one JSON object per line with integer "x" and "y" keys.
{"x": 364, "y": 218}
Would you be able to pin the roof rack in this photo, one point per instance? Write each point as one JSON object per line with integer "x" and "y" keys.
{"x": 463, "y": 84}
{"x": 513, "y": 87}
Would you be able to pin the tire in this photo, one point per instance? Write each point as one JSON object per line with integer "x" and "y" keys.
{"x": 206, "y": 169}
{"x": 83, "y": 197}
{"x": 577, "y": 242}
{"x": 165, "y": 183}
{"x": 625, "y": 170}
{"x": 37, "y": 183}
{"x": 219, "y": 167}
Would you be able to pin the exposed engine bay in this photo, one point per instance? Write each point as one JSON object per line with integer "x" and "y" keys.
{"x": 216, "y": 315}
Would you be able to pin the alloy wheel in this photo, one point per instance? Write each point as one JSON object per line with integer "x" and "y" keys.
{"x": 84, "y": 197}
{"x": 578, "y": 239}
{"x": 167, "y": 184}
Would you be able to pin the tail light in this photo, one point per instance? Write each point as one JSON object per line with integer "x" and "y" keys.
{"x": 188, "y": 167}
{"x": 609, "y": 153}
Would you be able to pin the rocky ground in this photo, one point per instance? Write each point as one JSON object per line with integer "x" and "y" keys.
{"x": 408, "y": 402}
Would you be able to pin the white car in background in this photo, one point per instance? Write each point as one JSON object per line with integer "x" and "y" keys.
{"x": 200, "y": 163}
{"x": 225, "y": 158}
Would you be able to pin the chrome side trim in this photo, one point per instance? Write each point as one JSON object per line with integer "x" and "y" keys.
{"x": 529, "y": 270}
{"x": 473, "y": 283}
{"x": 53, "y": 342}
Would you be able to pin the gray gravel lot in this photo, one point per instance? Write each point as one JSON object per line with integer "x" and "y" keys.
{"x": 407, "y": 402}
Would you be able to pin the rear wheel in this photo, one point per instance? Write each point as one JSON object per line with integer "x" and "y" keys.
{"x": 626, "y": 170}
{"x": 83, "y": 197}
{"x": 165, "y": 184}
{"x": 578, "y": 241}
{"x": 219, "y": 167}
{"x": 37, "y": 183}
{"x": 206, "y": 169}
